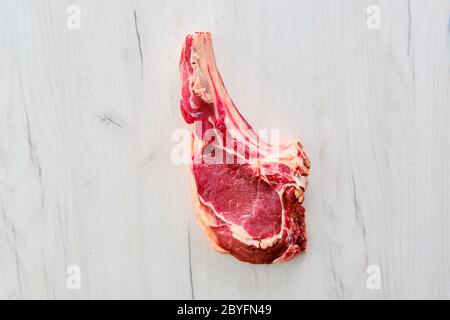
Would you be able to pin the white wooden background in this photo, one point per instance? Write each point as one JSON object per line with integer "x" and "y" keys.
{"x": 85, "y": 125}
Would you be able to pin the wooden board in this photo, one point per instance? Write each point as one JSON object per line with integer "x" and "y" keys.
{"x": 86, "y": 118}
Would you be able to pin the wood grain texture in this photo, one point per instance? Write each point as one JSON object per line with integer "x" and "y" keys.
{"x": 86, "y": 118}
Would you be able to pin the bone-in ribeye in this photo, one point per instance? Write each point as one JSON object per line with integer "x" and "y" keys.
{"x": 249, "y": 193}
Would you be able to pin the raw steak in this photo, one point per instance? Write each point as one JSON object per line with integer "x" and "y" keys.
{"x": 249, "y": 193}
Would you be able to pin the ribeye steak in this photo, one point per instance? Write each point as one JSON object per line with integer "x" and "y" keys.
{"x": 249, "y": 192}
